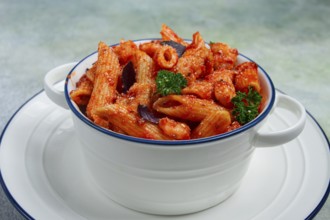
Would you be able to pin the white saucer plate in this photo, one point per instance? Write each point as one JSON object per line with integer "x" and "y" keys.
{"x": 44, "y": 176}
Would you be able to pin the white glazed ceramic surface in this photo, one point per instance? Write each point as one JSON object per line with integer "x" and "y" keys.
{"x": 44, "y": 173}
{"x": 172, "y": 177}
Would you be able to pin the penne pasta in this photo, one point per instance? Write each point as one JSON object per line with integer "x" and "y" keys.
{"x": 202, "y": 89}
{"x": 82, "y": 94}
{"x": 90, "y": 73}
{"x": 166, "y": 57}
{"x": 214, "y": 123}
{"x": 186, "y": 107}
{"x": 140, "y": 94}
{"x": 125, "y": 51}
{"x": 144, "y": 67}
{"x": 105, "y": 82}
{"x": 129, "y": 122}
{"x": 168, "y": 89}
{"x": 150, "y": 47}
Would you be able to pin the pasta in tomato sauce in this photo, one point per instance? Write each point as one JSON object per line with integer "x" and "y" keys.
{"x": 208, "y": 103}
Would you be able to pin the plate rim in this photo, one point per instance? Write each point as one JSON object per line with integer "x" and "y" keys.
{"x": 26, "y": 215}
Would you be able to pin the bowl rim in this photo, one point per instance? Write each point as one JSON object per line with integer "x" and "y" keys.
{"x": 188, "y": 142}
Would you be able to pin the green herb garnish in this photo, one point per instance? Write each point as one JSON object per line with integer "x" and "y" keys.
{"x": 246, "y": 105}
{"x": 168, "y": 82}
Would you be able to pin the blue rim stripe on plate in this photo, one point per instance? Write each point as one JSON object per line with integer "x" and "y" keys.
{"x": 2, "y": 182}
{"x": 325, "y": 197}
{"x": 28, "y": 216}
{"x": 176, "y": 142}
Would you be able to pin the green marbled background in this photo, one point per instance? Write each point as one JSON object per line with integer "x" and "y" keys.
{"x": 290, "y": 39}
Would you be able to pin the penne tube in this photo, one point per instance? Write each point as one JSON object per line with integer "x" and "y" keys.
{"x": 202, "y": 89}
{"x": 186, "y": 107}
{"x": 144, "y": 67}
{"x": 90, "y": 73}
{"x": 124, "y": 80}
{"x": 166, "y": 57}
{"x": 125, "y": 51}
{"x": 128, "y": 121}
{"x": 106, "y": 78}
{"x": 82, "y": 93}
{"x": 150, "y": 47}
{"x": 140, "y": 94}
{"x": 214, "y": 123}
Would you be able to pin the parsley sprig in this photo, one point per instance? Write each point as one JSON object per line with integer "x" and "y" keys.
{"x": 246, "y": 105}
{"x": 168, "y": 82}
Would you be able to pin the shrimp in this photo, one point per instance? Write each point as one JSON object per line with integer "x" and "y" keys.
{"x": 168, "y": 34}
{"x": 224, "y": 89}
{"x": 197, "y": 61}
{"x": 202, "y": 89}
{"x": 223, "y": 74}
{"x": 224, "y": 56}
{"x": 247, "y": 76}
{"x": 224, "y": 92}
{"x": 234, "y": 125}
{"x": 174, "y": 129}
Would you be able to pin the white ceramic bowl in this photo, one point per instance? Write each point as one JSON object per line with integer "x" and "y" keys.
{"x": 170, "y": 177}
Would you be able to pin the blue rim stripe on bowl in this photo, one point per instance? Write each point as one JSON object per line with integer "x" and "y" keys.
{"x": 173, "y": 142}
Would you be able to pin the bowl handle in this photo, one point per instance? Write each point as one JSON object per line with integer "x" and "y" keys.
{"x": 270, "y": 139}
{"x": 54, "y": 76}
